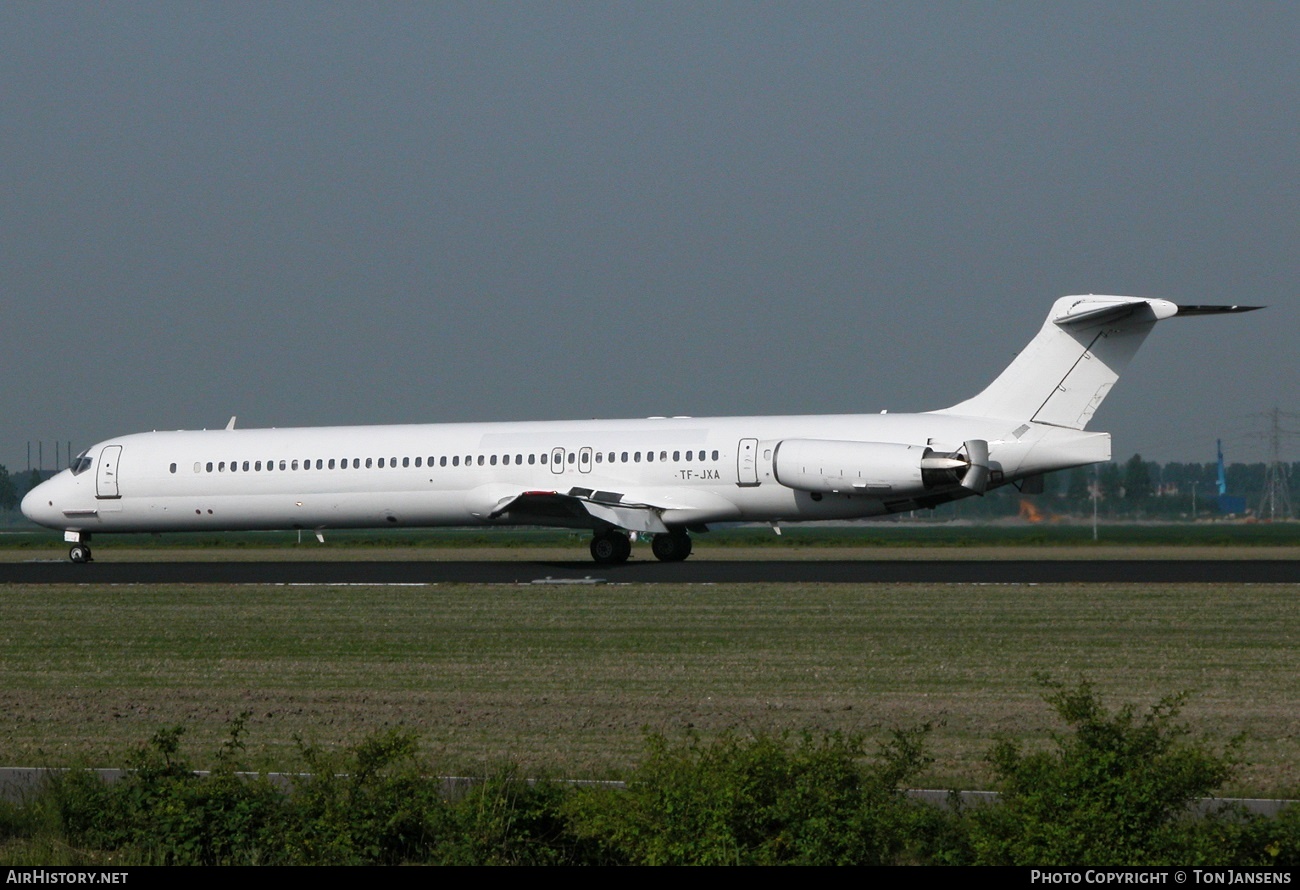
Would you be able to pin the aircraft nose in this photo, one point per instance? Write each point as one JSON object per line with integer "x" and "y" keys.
{"x": 37, "y": 505}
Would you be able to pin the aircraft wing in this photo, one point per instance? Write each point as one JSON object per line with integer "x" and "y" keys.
{"x": 582, "y": 507}
{"x": 650, "y": 511}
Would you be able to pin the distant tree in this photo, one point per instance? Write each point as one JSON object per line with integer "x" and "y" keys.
{"x": 1110, "y": 481}
{"x": 8, "y": 491}
{"x": 34, "y": 478}
{"x": 1137, "y": 479}
{"x": 1080, "y": 485}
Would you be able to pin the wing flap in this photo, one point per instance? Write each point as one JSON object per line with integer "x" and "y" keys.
{"x": 580, "y": 507}
{"x": 651, "y": 511}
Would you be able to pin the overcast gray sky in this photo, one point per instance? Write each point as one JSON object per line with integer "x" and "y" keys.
{"x": 336, "y": 213}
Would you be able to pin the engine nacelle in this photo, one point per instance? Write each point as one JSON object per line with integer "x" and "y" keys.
{"x": 870, "y": 468}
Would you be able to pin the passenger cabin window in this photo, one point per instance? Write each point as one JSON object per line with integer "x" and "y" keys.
{"x": 173, "y": 467}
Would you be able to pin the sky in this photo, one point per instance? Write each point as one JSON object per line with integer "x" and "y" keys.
{"x": 351, "y": 213}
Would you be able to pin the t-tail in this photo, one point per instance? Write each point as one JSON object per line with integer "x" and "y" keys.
{"x": 1065, "y": 372}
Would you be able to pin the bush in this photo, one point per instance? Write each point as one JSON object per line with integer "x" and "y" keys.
{"x": 757, "y": 801}
{"x": 162, "y": 812}
{"x": 374, "y": 804}
{"x": 1114, "y": 791}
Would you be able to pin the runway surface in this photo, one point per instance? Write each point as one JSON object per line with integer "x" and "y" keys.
{"x": 1259, "y": 571}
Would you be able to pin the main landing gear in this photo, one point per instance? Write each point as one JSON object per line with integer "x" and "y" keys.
{"x": 610, "y": 548}
{"x": 613, "y": 547}
{"x": 672, "y": 547}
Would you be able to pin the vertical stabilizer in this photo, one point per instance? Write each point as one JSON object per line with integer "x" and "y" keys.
{"x": 1066, "y": 371}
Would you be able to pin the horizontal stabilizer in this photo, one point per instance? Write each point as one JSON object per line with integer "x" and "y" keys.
{"x": 1098, "y": 310}
{"x": 1214, "y": 310}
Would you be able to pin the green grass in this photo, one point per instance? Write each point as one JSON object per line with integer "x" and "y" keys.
{"x": 564, "y": 679}
{"x": 927, "y": 535}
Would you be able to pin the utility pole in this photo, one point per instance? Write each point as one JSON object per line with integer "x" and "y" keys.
{"x": 1276, "y": 502}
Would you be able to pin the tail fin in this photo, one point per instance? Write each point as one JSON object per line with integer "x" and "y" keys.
{"x": 1066, "y": 371}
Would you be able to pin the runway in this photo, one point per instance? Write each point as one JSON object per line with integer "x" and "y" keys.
{"x": 1244, "y": 571}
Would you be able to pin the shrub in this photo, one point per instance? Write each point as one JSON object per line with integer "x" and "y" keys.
{"x": 374, "y": 804}
{"x": 1114, "y": 791}
{"x": 757, "y": 801}
{"x": 162, "y": 812}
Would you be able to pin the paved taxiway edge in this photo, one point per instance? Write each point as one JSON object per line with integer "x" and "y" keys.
{"x": 702, "y": 572}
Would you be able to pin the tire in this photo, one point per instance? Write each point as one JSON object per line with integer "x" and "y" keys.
{"x": 610, "y": 549}
{"x": 672, "y": 547}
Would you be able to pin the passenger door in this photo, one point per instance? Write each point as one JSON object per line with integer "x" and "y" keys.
{"x": 106, "y": 474}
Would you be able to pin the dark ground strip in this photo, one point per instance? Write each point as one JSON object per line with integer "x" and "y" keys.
{"x": 1244, "y": 571}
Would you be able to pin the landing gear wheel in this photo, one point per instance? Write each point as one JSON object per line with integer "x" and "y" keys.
{"x": 672, "y": 547}
{"x": 624, "y": 546}
{"x": 610, "y": 548}
{"x": 79, "y": 553}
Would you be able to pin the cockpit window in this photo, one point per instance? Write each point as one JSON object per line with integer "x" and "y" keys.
{"x": 81, "y": 464}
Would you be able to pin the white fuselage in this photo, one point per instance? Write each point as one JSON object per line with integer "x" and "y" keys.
{"x": 690, "y": 471}
{"x": 662, "y": 476}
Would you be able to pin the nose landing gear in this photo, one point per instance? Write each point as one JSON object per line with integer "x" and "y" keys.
{"x": 79, "y": 553}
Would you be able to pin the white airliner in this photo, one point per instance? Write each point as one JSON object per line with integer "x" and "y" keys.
{"x": 663, "y": 476}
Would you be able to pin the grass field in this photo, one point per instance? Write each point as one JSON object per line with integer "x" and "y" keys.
{"x": 564, "y": 679}
{"x": 867, "y": 541}
{"x": 1260, "y": 540}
